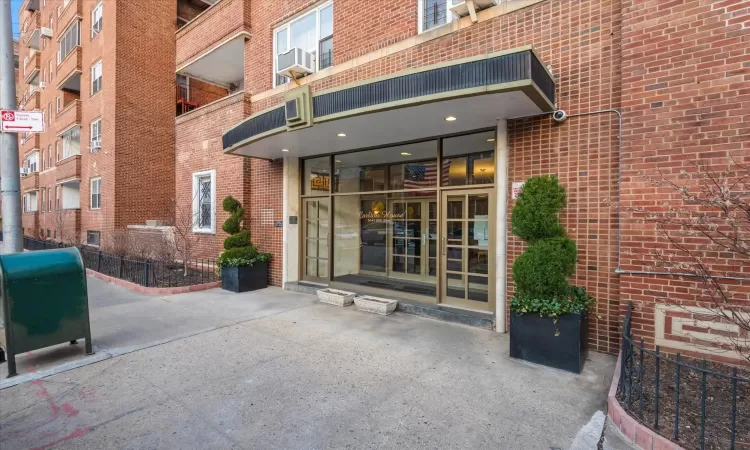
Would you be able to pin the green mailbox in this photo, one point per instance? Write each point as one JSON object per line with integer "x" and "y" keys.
{"x": 44, "y": 301}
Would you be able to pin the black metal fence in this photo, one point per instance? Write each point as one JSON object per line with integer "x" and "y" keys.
{"x": 143, "y": 271}
{"x": 683, "y": 399}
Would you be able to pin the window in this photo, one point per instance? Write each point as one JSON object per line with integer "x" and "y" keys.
{"x": 48, "y": 233}
{"x": 433, "y": 13}
{"x": 312, "y": 32}
{"x": 96, "y": 193}
{"x": 42, "y": 200}
{"x": 57, "y": 150}
{"x": 96, "y": 20}
{"x": 96, "y": 78}
{"x": 43, "y": 164}
{"x": 32, "y": 162}
{"x": 183, "y": 84}
{"x": 49, "y": 64}
{"x": 92, "y": 238}
{"x": 49, "y": 199}
{"x": 204, "y": 202}
{"x": 69, "y": 41}
{"x": 44, "y": 75}
{"x": 57, "y": 197}
{"x": 59, "y": 104}
{"x": 59, "y": 10}
{"x": 96, "y": 135}
{"x": 51, "y": 22}
{"x": 49, "y": 114}
{"x": 71, "y": 143}
{"x": 29, "y": 202}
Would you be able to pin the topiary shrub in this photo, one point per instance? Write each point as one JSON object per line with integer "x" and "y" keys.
{"x": 541, "y": 273}
{"x": 239, "y": 250}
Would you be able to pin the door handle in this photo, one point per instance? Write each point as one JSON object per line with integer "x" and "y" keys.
{"x": 424, "y": 239}
{"x": 444, "y": 245}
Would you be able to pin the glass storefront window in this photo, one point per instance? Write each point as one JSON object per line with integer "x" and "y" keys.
{"x": 469, "y": 159}
{"x": 411, "y": 166}
{"x": 317, "y": 176}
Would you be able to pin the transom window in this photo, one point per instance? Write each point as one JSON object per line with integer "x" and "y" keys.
{"x": 434, "y": 13}
{"x": 96, "y": 193}
{"x": 96, "y": 78}
{"x": 204, "y": 202}
{"x": 312, "y": 32}
{"x": 69, "y": 41}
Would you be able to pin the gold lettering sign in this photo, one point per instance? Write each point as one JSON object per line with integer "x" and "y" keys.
{"x": 372, "y": 216}
{"x": 319, "y": 182}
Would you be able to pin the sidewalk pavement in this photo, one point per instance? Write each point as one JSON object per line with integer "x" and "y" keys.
{"x": 293, "y": 374}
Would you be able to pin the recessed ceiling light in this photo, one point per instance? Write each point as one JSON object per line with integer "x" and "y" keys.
{"x": 491, "y": 140}
{"x": 338, "y": 160}
{"x": 341, "y": 135}
{"x": 450, "y": 119}
{"x": 406, "y": 153}
{"x": 284, "y": 149}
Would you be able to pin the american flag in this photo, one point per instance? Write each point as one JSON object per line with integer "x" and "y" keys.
{"x": 420, "y": 176}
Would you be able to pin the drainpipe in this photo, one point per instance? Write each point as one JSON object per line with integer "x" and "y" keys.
{"x": 502, "y": 155}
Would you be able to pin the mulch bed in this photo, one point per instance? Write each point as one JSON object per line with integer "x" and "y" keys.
{"x": 718, "y": 403}
{"x": 174, "y": 276}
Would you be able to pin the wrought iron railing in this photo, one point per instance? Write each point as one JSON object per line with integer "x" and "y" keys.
{"x": 644, "y": 388}
{"x": 143, "y": 271}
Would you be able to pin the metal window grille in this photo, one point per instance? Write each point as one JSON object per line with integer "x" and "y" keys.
{"x": 204, "y": 202}
{"x": 325, "y": 50}
{"x": 435, "y": 13}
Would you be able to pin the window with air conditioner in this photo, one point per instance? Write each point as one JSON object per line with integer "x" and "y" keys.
{"x": 96, "y": 135}
{"x": 69, "y": 41}
{"x": 96, "y": 193}
{"x": 96, "y": 20}
{"x": 96, "y": 78}
{"x": 434, "y": 13}
{"x": 204, "y": 202}
{"x": 312, "y": 33}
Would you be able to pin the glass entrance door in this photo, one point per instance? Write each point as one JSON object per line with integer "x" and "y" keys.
{"x": 413, "y": 234}
{"x": 467, "y": 267}
{"x": 315, "y": 236}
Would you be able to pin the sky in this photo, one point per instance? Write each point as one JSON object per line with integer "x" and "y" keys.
{"x": 14, "y": 6}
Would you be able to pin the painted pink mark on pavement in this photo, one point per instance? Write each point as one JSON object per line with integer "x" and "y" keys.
{"x": 77, "y": 433}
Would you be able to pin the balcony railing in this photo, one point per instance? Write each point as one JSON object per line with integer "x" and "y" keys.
{"x": 30, "y": 182}
{"x": 32, "y": 5}
{"x": 69, "y": 116}
{"x": 197, "y": 36}
{"x": 30, "y": 99}
{"x": 196, "y": 94}
{"x": 31, "y": 67}
{"x": 73, "y": 10}
{"x": 70, "y": 65}
{"x": 68, "y": 168}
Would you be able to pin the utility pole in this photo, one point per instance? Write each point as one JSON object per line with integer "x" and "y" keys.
{"x": 10, "y": 176}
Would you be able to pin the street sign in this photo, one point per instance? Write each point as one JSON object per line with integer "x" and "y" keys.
{"x": 22, "y": 121}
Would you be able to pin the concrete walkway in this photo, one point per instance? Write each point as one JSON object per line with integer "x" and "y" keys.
{"x": 296, "y": 374}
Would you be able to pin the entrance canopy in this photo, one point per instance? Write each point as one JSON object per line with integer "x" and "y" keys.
{"x": 411, "y": 105}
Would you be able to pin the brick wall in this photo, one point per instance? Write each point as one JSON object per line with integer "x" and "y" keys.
{"x": 199, "y": 148}
{"x": 202, "y": 93}
{"x": 221, "y": 21}
{"x": 685, "y": 91}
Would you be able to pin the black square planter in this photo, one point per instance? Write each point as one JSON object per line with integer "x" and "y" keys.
{"x": 532, "y": 338}
{"x": 244, "y": 278}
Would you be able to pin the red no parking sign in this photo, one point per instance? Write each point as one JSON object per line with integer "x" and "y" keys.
{"x": 22, "y": 121}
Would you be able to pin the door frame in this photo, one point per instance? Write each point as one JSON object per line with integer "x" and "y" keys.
{"x": 424, "y": 240}
{"x": 303, "y": 260}
{"x": 442, "y": 250}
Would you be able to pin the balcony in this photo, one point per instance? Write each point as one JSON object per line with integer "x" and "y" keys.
{"x": 192, "y": 94}
{"x": 31, "y": 67}
{"x": 30, "y": 100}
{"x": 30, "y": 143}
{"x": 68, "y": 168}
{"x": 74, "y": 10}
{"x": 69, "y": 195}
{"x": 31, "y": 30}
{"x": 32, "y": 5}
{"x": 218, "y": 58}
{"x": 69, "y": 117}
{"x": 30, "y": 182}
{"x": 69, "y": 71}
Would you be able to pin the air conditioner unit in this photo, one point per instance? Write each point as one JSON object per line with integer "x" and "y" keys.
{"x": 25, "y": 171}
{"x": 42, "y": 85}
{"x": 463, "y": 8}
{"x": 295, "y": 63}
{"x": 46, "y": 32}
{"x": 96, "y": 145}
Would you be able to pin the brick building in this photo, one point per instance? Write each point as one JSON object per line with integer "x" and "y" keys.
{"x": 108, "y": 113}
{"x": 406, "y": 123}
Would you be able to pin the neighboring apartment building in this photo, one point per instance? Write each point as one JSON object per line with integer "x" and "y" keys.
{"x": 108, "y": 112}
{"x": 387, "y": 167}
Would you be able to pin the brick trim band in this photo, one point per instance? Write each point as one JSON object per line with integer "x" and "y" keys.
{"x": 641, "y": 435}
{"x": 150, "y": 290}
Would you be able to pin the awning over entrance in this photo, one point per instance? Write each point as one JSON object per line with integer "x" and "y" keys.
{"x": 415, "y": 104}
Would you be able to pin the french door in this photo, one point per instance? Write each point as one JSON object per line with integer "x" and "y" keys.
{"x": 467, "y": 266}
{"x": 315, "y": 237}
{"x": 413, "y": 235}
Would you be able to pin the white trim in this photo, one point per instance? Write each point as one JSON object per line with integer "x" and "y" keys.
{"x": 196, "y": 199}
{"x": 101, "y": 21}
{"x": 91, "y": 193}
{"x": 288, "y": 25}
{"x": 101, "y": 75}
{"x": 449, "y": 17}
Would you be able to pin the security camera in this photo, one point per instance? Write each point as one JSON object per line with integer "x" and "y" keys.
{"x": 559, "y": 116}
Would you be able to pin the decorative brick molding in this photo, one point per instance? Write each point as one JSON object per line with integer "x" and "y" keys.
{"x": 150, "y": 290}
{"x": 641, "y": 435}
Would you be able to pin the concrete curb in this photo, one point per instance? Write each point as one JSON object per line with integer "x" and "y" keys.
{"x": 639, "y": 434}
{"x": 150, "y": 290}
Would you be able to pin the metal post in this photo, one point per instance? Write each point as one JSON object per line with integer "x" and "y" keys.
{"x": 10, "y": 171}
{"x": 122, "y": 261}
{"x": 733, "y": 428}
{"x": 658, "y": 379}
{"x": 677, "y": 398}
{"x": 99, "y": 262}
{"x": 145, "y": 267}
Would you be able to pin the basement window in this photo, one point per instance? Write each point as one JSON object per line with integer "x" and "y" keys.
{"x": 93, "y": 238}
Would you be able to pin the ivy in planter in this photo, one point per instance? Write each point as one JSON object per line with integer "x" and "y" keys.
{"x": 238, "y": 249}
{"x": 541, "y": 273}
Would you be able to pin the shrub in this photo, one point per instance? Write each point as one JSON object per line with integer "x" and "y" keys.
{"x": 541, "y": 273}
{"x": 238, "y": 248}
